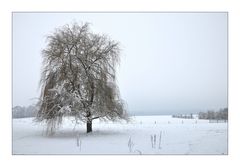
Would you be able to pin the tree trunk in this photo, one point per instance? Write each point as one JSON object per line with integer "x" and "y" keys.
{"x": 89, "y": 126}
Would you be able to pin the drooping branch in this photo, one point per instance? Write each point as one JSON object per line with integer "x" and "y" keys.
{"x": 78, "y": 76}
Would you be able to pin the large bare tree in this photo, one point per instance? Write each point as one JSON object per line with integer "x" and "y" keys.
{"x": 78, "y": 77}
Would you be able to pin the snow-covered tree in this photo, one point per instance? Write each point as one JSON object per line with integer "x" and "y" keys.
{"x": 78, "y": 77}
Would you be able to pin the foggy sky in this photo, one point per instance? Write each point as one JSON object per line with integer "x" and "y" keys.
{"x": 170, "y": 62}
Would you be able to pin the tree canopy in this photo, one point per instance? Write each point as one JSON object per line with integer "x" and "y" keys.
{"x": 78, "y": 77}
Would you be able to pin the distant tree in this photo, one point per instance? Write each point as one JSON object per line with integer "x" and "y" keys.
{"x": 225, "y": 114}
{"x": 78, "y": 77}
{"x": 210, "y": 114}
{"x": 31, "y": 111}
{"x": 23, "y": 112}
{"x": 222, "y": 114}
{"x": 202, "y": 115}
{"x": 18, "y": 112}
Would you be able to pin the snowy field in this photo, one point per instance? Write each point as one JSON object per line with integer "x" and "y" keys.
{"x": 143, "y": 135}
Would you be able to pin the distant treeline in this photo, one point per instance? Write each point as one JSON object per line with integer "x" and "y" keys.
{"x": 185, "y": 116}
{"x": 23, "y": 112}
{"x": 222, "y": 114}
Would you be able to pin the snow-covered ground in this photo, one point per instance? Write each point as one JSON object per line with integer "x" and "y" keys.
{"x": 178, "y": 136}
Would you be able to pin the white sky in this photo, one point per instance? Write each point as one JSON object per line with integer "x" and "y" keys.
{"x": 170, "y": 61}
